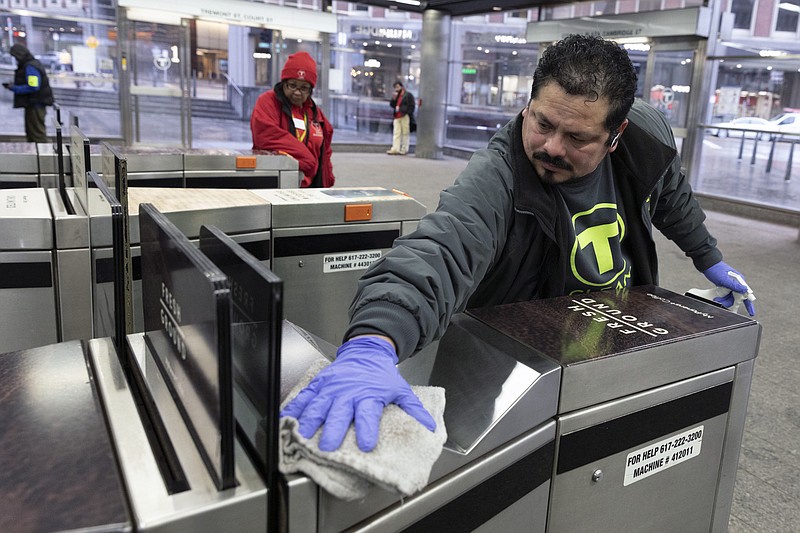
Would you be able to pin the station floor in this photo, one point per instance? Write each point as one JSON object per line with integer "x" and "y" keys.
{"x": 767, "y": 489}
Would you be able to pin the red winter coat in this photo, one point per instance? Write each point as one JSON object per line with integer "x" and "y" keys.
{"x": 273, "y": 129}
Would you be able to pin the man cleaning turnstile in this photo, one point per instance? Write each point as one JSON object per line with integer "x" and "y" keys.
{"x": 583, "y": 205}
{"x": 563, "y": 201}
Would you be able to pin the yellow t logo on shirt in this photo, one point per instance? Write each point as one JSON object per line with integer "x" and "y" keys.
{"x": 33, "y": 81}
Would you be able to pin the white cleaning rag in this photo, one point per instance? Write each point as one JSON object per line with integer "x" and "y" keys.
{"x": 721, "y": 292}
{"x": 401, "y": 462}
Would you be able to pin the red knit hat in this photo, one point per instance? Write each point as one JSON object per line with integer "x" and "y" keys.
{"x": 300, "y": 66}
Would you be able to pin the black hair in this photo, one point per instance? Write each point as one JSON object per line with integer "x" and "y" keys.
{"x": 398, "y": 82}
{"x": 592, "y": 67}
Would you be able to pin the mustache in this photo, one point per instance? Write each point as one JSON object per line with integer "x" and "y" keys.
{"x": 554, "y": 161}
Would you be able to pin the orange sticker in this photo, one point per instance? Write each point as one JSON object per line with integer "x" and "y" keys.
{"x": 245, "y": 161}
{"x": 357, "y": 212}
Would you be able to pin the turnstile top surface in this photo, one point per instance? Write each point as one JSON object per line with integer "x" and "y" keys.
{"x": 231, "y": 210}
{"x": 169, "y": 200}
{"x": 218, "y": 160}
{"x": 293, "y": 208}
{"x": 25, "y": 203}
{"x": 48, "y": 162}
{"x": 496, "y": 388}
{"x": 610, "y": 344}
{"x": 19, "y": 158}
{"x": 58, "y": 465}
{"x": 488, "y": 379}
{"x": 500, "y": 402}
{"x": 71, "y": 230}
{"x": 152, "y": 159}
{"x": 21, "y": 148}
{"x": 579, "y": 329}
{"x": 25, "y": 220}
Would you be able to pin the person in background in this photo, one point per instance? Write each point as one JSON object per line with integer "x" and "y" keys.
{"x": 286, "y": 119}
{"x": 32, "y": 92}
{"x": 564, "y": 200}
{"x": 402, "y": 103}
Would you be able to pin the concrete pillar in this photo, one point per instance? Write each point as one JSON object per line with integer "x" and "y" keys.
{"x": 241, "y": 65}
{"x": 322, "y": 90}
{"x": 433, "y": 84}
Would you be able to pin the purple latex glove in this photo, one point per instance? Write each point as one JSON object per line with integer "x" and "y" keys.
{"x": 723, "y": 275}
{"x": 355, "y": 387}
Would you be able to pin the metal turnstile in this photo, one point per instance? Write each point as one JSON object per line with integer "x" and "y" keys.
{"x": 73, "y": 266}
{"x": 240, "y": 169}
{"x": 94, "y": 162}
{"x": 48, "y": 164}
{"x": 106, "y": 470}
{"x": 241, "y": 214}
{"x": 324, "y": 239}
{"x": 59, "y": 468}
{"x": 156, "y": 504}
{"x": 153, "y": 166}
{"x": 70, "y": 208}
{"x": 495, "y": 469}
{"x": 651, "y": 410}
{"x": 20, "y": 166}
{"x": 156, "y": 166}
{"x": 27, "y": 271}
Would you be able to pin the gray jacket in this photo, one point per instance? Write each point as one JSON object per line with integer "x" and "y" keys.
{"x": 493, "y": 238}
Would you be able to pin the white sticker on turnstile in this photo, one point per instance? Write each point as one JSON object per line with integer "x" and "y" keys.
{"x": 349, "y": 261}
{"x": 661, "y": 455}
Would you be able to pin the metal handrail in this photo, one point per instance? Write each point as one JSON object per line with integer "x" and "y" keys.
{"x": 233, "y": 84}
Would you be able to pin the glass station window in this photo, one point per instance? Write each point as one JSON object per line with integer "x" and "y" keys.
{"x": 788, "y": 13}
{"x": 743, "y": 13}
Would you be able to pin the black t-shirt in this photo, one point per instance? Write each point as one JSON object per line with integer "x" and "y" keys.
{"x": 593, "y": 222}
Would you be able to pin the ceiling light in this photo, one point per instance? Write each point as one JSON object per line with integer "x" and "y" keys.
{"x": 632, "y": 40}
{"x": 636, "y": 47}
{"x": 771, "y": 53}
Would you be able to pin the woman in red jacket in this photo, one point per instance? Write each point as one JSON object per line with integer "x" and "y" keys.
{"x": 285, "y": 119}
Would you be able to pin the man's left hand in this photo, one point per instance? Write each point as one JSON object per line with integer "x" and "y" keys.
{"x": 725, "y": 276}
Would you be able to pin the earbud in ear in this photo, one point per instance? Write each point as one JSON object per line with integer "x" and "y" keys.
{"x": 613, "y": 140}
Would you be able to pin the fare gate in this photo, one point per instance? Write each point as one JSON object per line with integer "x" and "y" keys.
{"x": 324, "y": 239}
{"x": 27, "y": 270}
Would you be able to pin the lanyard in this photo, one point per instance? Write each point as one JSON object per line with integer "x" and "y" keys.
{"x": 301, "y": 133}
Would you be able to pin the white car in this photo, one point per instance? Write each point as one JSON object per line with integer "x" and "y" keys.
{"x": 786, "y": 123}
{"x": 54, "y": 60}
{"x": 755, "y": 125}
